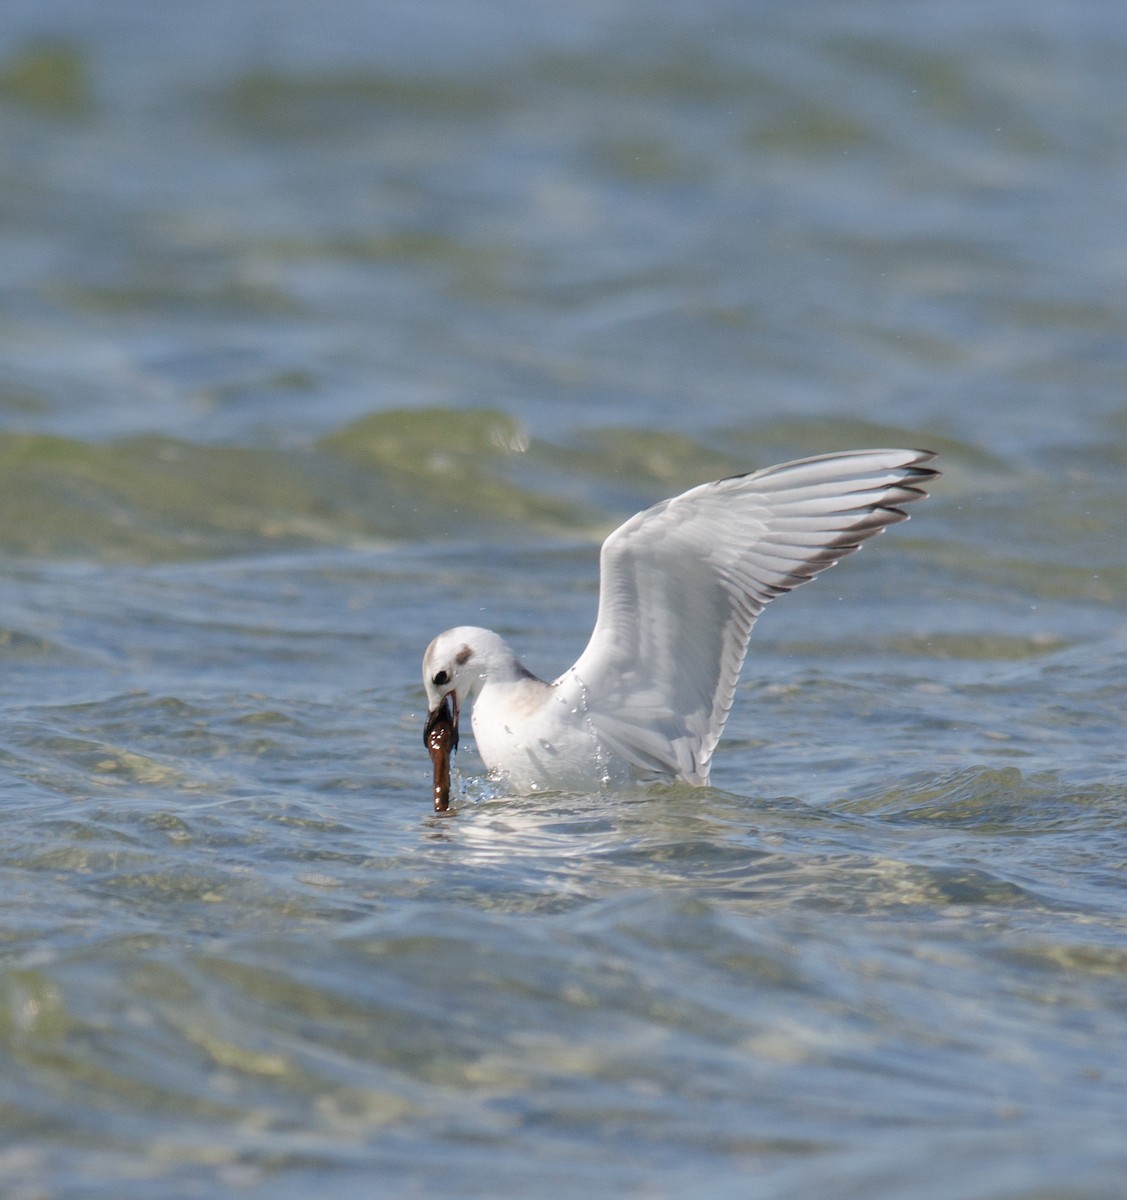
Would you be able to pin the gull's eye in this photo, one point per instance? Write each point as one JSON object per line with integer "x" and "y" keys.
{"x": 441, "y": 678}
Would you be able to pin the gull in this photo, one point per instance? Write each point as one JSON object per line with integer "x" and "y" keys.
{"x": 680, "y": 587}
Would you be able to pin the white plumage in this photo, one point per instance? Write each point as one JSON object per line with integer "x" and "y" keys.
{"x": 681, "y": 585}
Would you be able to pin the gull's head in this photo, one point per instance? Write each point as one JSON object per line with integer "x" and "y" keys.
{"x": 453, "y": 670}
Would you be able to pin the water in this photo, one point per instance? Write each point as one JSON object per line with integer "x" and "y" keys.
{"x": 324, "y": 327}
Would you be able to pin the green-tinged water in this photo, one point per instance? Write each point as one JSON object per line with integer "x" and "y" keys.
{"x": 326, "y": 327}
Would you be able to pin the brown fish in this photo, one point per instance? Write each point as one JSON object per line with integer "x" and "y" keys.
{"x": 441, "y": 738}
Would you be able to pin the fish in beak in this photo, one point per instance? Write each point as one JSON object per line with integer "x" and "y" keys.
{"x": 440, "y": 735}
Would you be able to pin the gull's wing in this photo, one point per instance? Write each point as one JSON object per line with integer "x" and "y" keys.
{"x": 682, "y": 583}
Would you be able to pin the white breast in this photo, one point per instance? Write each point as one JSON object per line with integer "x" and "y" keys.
{"x": 533, "y": 736}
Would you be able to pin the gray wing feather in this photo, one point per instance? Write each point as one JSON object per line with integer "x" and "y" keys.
{"x": 682, "y": 583}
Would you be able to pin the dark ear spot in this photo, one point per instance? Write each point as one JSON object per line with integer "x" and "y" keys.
{"x": 463, "y": 656}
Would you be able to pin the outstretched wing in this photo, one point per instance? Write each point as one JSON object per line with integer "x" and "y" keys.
{"x": 682, "y": 583}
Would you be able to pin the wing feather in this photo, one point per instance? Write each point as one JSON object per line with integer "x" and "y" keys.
{"x": 682, "y": 583}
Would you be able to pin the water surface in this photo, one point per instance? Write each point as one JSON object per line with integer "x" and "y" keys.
{"x": 323, "y": 328}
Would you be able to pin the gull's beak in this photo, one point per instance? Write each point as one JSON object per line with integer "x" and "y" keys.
{"x": 445, "y": 712}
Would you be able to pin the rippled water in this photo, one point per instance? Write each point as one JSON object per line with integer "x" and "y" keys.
{"x": 324, "y": 327}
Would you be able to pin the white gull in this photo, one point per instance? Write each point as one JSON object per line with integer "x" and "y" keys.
{"x": 680, "y": 587}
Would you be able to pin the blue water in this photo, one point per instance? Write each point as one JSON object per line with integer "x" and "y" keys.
{"x": 325, "y": 327}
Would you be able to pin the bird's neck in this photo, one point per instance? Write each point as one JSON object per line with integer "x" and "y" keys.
{"x": 506, "y": 668}
{"x": 497, "y": 666}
